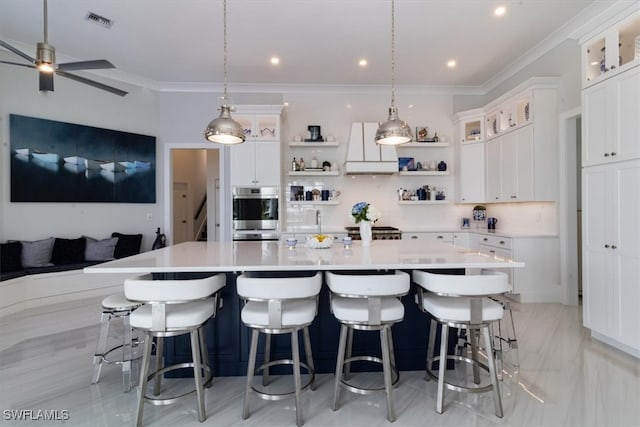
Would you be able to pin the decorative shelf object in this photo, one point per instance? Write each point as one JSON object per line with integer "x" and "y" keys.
{"x": 314, "y": 173}
{"x": 314, "y": 144}
{"x": 313, "y": 202}
{"x": 423, "y": 173}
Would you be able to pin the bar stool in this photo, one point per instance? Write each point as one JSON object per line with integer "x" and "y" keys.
{"x": 367, "y": 302}
{"x": 462, "y": 302}
{"x": 171, "y": 308}
{"x": 116, "y": 307}
{"x": 279, "y": 305}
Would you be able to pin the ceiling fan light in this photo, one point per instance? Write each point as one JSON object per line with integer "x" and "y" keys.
{"x": 224, "y": 130}
{"x": 394, "y": 131}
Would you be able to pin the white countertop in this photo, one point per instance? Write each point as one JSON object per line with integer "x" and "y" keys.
{"x": 276, "y": 256}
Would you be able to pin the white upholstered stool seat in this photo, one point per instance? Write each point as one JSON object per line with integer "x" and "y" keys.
{"x": 279, "y": 305}
{"x": 116, "y": 306}
{"x": 367, "y": 302}
{"x": 458, "y": 309}
{"x": 174, "y": 307}
{"x": 461, "y": 301}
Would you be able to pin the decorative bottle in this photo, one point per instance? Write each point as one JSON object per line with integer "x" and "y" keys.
{"x": 294, "y": 165}
{"x": 161, "y": 240}
{"x": 301, "y": 166}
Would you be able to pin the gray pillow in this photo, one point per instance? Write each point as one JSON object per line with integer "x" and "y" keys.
{"x": 100, "y": 250}
{"x": 37, "y": 253}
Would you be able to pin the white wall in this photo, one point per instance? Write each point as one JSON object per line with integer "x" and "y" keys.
{"x": 74, "y": 103}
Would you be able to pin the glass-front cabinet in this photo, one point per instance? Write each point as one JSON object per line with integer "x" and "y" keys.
{"x": 612, "y": 51}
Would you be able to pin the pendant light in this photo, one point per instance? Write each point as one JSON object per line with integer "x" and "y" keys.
{"x": 224, "y": 130}
{"x": 394, "y": 131}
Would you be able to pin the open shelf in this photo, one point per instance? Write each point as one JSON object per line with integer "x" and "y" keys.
{"x": 312, "y": 202}
{"x": 424, "y": 145}
{"x": 423, "y": 173}
{"x": 314, "y": 144}
{"x": 313, "y": 173}
{"x": 423, "y": 202}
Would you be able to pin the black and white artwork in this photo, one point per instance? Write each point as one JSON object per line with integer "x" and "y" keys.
{"x": 53, "y": 161}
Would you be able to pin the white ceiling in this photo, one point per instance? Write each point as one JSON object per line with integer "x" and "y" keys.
{"x": 319, "y": 42}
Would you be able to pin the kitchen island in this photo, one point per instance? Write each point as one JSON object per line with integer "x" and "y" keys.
{"x": 228, "y": 339}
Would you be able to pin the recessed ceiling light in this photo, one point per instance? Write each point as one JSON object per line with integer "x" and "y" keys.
{"x": 275, "y": 60}
{"x": 451, "y": 63}
{"x": 499, "y": 11}
{"x": 362, "y": 62}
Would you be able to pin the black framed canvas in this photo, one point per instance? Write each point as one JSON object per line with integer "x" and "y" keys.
{"x": 53, "y": 161}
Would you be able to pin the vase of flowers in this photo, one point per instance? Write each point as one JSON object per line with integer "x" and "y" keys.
{"x": 366, "y": 215}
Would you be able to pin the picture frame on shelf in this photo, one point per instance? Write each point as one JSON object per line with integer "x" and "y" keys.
{"x": 422, "y": 133}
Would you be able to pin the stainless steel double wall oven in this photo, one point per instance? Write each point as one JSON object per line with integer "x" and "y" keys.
{"x": 255, "y": 213}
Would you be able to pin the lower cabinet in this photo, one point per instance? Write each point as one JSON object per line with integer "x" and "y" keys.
{"x": 437, "y": 237}
{"x": 611, "y": 253}
{"x": 539, "y": 280}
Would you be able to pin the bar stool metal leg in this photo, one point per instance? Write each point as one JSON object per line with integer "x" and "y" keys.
{"x": 250, "y": 371}
{"x": 295, "y": 351}
{"x": 347, "y": 369}
{"x": 309, "y": 354}
{"x": 386, "y": 367}
{"x": 197, "y": 372}
{"x": 430, "y": 347}
{"x": 267, "y": 359}
{"x": 442, "y": 366}
{"x": 100, "y": 347}
{"x": 474, "y": 354}
{"x": 127, "y": 354}
{"x": 339, "y": 366}
{"x": 497, "y": 401}
{"x": 159, "y": 364}
{"x": 143, "y": 377}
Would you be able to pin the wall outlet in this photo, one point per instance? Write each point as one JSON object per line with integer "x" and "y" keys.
{"x": 149, "y": 216}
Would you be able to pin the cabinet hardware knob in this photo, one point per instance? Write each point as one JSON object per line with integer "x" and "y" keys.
{"x": 613, "y": 153}
{"x": 439, "y": 237}
{"x": 414, "y": 237}
{"x": 606, "y": 154}
{"x": 614, "y": 247}
{"x": 514, "y": 197}
{"x": 606, "y": 246}
{"x": 613, "y": 67}
{"x": 502, "y": 242}
{"x": 492, "y": 251}
{"x": 485, "y": 239}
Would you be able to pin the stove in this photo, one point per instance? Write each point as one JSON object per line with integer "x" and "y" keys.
{"x": 377, "y": 233}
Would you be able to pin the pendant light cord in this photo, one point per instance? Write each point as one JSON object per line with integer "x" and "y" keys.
{"x": 393, "y": 54}
{"x": 46, "y": 19}
{"x": 224, "y": 20}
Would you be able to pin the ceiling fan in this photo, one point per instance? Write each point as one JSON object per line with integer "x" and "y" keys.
{"x": 45, "y": 63}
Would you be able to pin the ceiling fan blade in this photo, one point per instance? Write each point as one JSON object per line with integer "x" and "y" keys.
{"x": 86, "y": 65}
{"x": 93, "y": 83}
{"x": 18, "y": 64}
{"x": 17, "y": 52}
{"x": 46, "y": 81}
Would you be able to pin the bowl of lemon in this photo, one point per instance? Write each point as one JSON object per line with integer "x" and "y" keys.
{"x": 319, "y": 241}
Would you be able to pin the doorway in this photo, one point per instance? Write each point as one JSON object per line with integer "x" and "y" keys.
{"x": 570, "y": 209}
{"x": 193, "y": 203}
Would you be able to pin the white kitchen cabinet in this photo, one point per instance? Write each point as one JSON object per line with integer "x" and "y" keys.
{"x": 611, "y": 113}
{"x": 611, "y": 52}
{"x": 471, "y": 183}
{"x": 429, "y": 236}
{"x": 461, "y": 239}
{"x": 611, "y": 251}
{"x": 539, "y": 280}
{"x": 255, "y": 163}
{"x": 264, "y": 127}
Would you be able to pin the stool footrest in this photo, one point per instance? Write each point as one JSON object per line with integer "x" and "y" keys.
{"x": 156, "y": 401}
{"x": 395, "y": 376}
{"x": 458, "y": 387}
{"x": 279, "y": 396}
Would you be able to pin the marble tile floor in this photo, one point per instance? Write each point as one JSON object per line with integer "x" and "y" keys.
{"x": 565, "y": 379}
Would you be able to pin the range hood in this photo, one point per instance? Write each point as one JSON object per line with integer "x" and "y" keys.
{"x": 364, "y": 156}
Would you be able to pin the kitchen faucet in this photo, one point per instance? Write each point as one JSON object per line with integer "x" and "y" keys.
{"x": 319, "y": 221}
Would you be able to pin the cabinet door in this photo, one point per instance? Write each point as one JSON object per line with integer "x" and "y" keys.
{"x": 434, "y": 237}
{"x": 625, "y": 249}
{"x": 596, "y": 283}
{"x": 492, "y": 161}
{"x": 472, "y": 173}
{"x": 242, "y": 164}
{"x": 627, "y": 95}
{"x": 267, "y": 127}
{"x": 598, "y": 119}
{"x": 524, "y": 160}
{"x": 508, "y": 167}
{"x": 267, "y": 163}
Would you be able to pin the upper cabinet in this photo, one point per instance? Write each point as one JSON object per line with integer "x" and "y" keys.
{"x": 509, "y": 115}
{"x": 471, "y": 128}
{"x": 612, "y": 51}
{"x": 264, "y": 127}
{"x": 610, "y": 121}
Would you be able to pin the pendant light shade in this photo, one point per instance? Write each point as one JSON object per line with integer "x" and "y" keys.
{"x": 224, "y": 130}
{"x": 394, "y": 131}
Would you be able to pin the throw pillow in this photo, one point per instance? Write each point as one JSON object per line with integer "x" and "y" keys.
{"x": 68, "y": 251}
{"x": 37, "y": 253}
{"x": 100, "y": 250}
{"x": 128, "y": 244}
{"x": 10, "y": 256}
